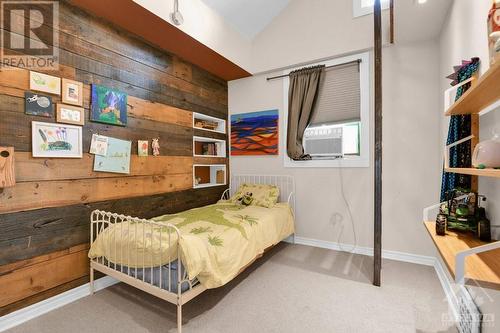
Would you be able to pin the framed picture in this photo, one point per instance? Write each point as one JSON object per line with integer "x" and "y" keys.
{"x": 108, "y": 106}
{"x": 70, "y": 114}
{"x": 56, "y": 140}
{"x": 142, "y": 147}
{"x": 36, "y": 104}
{"x": 45, "y": 83}
{"x": 99, "y": 145}
{"x": 72, "y": 92}
{"x": 117, "y": 157}
{"x": 254, "y": 133}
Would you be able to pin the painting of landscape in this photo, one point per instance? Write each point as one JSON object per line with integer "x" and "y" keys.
{"x": 254, "y": 133}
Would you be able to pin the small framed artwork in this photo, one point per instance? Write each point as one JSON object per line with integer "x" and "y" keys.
{"x": 99, "y": 145}
{"x": 70, "y": 114}
{"x": 117, "y": 157}
{"x": 142, "y": 147}
{"x": 108, "y": 106}
{"x": 45, "y": 83}
{"x": 36, "y": 104}
{"x": 72, "y": 92}
{"x": 56, "y": 140}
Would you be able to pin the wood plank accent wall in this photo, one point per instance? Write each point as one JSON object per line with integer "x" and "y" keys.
{"x": 45, "y": 217}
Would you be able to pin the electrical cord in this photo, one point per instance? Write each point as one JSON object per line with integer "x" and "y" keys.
{"x": 341, "y": 178}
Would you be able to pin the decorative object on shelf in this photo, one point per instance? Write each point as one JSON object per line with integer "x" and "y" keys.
{"x": 99, "y": 145}
{"x": 7, "y": 170}
{"x": 459, "y": 128}
{"x": 487, "y": 153}
{"x": 462, "y": 211}
{"x": 38, "y": 105}
{"x": 70, "y": 114}
{"x": 56, "y": 140}
{"x": 197, "y": 181}
{"x": 254, "y": 133}
{"x": 206, "y": 124}
{"x": 72, "y": 92}
{"x": 108, "y": 106}
{"x": 494, "y": 31}
{"x": 45, "y": 83}
{"x": 117, "y": 157}
{"x": 142, "y": 147}
{"x": 220, "y": 177}
{"x": 155, "y": 144}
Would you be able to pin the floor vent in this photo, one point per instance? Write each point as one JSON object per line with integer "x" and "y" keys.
{"x": 470, "y": 317}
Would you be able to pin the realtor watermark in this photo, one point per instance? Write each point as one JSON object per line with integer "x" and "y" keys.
{"x": 30, "y": 34}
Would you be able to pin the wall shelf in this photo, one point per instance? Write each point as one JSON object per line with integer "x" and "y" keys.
{"x": 208, "y": 123}
{"x": 209, "y": 175}
{"x": 482, "y": 268}
{"x": 480, "y": 95}
{"x": 200, "y": 147}
{"x": 476, "y": 172}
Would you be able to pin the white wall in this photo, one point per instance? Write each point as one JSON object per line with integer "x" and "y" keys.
{"x": 411, "y": 157}
{"x": 464, "y": 36}
{"x": 207, "y": 26}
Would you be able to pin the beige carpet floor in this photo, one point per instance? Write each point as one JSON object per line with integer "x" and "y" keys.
{"x": 292, "y": 289}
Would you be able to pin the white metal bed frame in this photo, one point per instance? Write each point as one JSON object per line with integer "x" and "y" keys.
{"x": 100, "y": 220}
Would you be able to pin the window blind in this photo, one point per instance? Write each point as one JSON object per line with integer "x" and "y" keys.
{"x": 339, "y": 96}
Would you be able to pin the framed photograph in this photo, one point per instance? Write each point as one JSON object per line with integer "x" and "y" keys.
{"x": 142, "y": 147}
{"x": 72, "y": 92}
{"x": 70, "y": 114}
{"x": 45, "y": 83}
{"x": 36, "y": 104}
{"x": 108, "y": 106}
{"x": 117, "y": 157}
{"x": 56, "y": 140}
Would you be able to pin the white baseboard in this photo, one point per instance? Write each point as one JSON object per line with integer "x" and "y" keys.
{"x": 20, "y": 316}
{"x": 367, "y": 251}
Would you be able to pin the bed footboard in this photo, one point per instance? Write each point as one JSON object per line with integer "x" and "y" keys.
{"x": 169, "y": 282}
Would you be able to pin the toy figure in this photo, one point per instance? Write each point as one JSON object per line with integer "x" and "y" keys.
{"x": 156, "y": 147}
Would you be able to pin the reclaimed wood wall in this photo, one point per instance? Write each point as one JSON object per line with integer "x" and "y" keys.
{"x": 45, "y": 217}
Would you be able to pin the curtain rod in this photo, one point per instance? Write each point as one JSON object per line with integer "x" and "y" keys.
{"x": 358, "y": 61}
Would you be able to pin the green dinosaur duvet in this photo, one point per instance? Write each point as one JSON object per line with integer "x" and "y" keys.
{"x": 216, "y": 241}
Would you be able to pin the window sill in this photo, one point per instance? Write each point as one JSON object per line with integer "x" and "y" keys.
{"x": 346, "y": 162}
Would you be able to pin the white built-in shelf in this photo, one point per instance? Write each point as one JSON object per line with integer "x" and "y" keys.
{"x": 208, "y": 123}
{"x": 200, "y": 147}
{"x": 209, "y": 175}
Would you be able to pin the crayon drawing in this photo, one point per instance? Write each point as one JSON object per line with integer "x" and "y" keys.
{"x": 254, "y": 133}
{"x": 56, "y": 140}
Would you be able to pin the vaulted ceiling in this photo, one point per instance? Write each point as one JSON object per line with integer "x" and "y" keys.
{"x": 248, "y": 17}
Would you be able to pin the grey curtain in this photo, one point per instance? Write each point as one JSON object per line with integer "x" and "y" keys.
{"x": 302, "y": 95}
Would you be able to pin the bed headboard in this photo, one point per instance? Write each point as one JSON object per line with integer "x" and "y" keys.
{"x": 285, "y": 183}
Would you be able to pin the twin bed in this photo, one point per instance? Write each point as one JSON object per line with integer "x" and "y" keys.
{"x": 178, "y": 256}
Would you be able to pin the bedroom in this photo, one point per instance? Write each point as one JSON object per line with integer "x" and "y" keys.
{"x": 289, "y": 152}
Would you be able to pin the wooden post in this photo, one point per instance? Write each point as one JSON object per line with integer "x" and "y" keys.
{"x": 7, "y": 174}
{"x": 377, "y": 242}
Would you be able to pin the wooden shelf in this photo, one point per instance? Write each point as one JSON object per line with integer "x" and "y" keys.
{"x": 475, "y": 172}
{"x": 482, "y": 268}
{"x": 480, "y": 95}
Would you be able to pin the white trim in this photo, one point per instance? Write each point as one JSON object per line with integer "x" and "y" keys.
{"x": 358, "y": 10}
{"x": 362, "y": 161}
{"x": 23, "y": 315}
{"x": 367, "y": 251}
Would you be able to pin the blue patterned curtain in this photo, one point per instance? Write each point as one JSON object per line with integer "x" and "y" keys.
{"x": 459, "y": 128}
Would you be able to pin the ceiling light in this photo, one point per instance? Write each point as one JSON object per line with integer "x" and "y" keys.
{"x": 420, "y": 2}
{"x": 176, "y": 16}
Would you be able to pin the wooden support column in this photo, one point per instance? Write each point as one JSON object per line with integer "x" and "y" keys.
{"x": 377, "y": 242}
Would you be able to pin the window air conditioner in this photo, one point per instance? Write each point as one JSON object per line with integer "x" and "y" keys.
{"x": 323, "y": 141}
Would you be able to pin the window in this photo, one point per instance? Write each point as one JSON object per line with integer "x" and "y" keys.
{"x": 365, "y": 7}
{"x": 338, "y": 135}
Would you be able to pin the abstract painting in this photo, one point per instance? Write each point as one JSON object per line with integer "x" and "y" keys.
{"x": 117, "y": 157}
{"x": 38, "y": 104}
{"x": 254, "y": 133}
{"x": 56, "y": 140}
{"x": 108, "y": 106}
